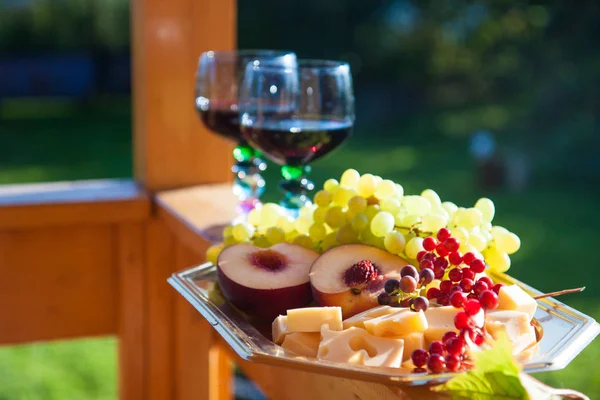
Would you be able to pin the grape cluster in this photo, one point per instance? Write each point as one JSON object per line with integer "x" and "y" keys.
{"x": 370, "y": 210}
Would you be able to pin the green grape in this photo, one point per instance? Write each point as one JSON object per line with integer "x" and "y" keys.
{"x": 450, "y": 207}
{"x": 346, "y": 235}
{"x": 285, "y": 223}
{"x": 382, "y": 223}
{"x": 269, "y": 214}
{"x": 350, "y": 178}
{"x": 416, "y": 205}
{"x": 372, "y": 210}
{"x": 335, "y": 217}
{"x": 498, "y": 230}
{"x": 360, "y": 222}
{"x": 302, "y": 225}
{"x": 410, "y": 220}
{"x": 432, "y": 223}
{"x": 357, "y": 204}
{"x": 413, "y": 247}
{"x": 329, "y": 241}
{"x": 378, "y": 242}
{"x": 466, "y": 248}
{"x": 498, "y": 261}
{"x": 323, "y": 198}
{"x": 262, "y": 242}
{"x": 319, "y": 214}
{"x": 307, "y": 211}
{"x": 507, "y": 242}
{"x": 441, "y": 211}
{"x": 394, "y": 242}
{"x": 254, "y": 216}
{"x": 229, "y": 240}
{"x": 317, "y": 232}
{"x": 290, "y": 236}
{"x": 432, "y": 197}
{"x": 486, "y": 206}
{"x": 212, "y": 253}
{"x": 399, "y": 216}
{"x": 477, "y": 241}
{"x": 341, "y": 196}
{"x": 275, "y": 235}
{"x": 304, "y": 241}
{"x": 399, "y": 191}
{"x": 486, "y": 226}
{"x": 390, "y": 205}
{"x": 366, "y": 185}
{"x": 228, "y": 231}
{"x": 385, "y": 189}
{"x": 243, "y": 231}
{"x": 461, "y": 234}
{"x": 468, "y": 218}
{"x": 331, "y": 184}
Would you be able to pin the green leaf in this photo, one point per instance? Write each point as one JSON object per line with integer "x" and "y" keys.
{"x": 494, "y": 377}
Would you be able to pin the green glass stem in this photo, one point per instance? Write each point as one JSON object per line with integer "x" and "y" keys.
{"x": 295, "y": 187}
{"x": 248, "y": 184}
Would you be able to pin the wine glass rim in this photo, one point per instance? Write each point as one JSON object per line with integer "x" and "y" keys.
{"x": 246, "y": 53}
{"x": 301, "y": 64}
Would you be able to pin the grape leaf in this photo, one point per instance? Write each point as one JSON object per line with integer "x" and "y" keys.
{"x": 494, "y": 377}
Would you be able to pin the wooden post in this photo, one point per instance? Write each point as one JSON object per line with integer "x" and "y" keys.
{"x": 173, "y": 149}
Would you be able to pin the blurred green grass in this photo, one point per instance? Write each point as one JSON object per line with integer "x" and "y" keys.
{"x": 556, "y": 220}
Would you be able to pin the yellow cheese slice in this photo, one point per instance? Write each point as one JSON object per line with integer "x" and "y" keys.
{"x": 357, "y": 346}
{"x": 514, "y": 298}
{"x": 303, "y": 343}
{"x": 358, "y": 320}
{"x": 401, "y": 323}
{"x": 279, "y": 329}
{"x": 310, "y": 319}
{"x": 515, "y": 324}
{"x": 412, "y": 341}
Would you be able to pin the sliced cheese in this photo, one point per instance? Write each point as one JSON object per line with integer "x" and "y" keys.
{"x": 412, "y": 341}
{"x": 515, "y": 324}
{"x": 397, "y": 324}
{"x": 514, "y": 298}
{"x": 303, "y": 343}
{"x": 357, "y": 346}
{"x": 358, "y": 320}
{"x": 279, "y": 329}
{"x": 310, "y": 319}
{"x": 439, "y": 321}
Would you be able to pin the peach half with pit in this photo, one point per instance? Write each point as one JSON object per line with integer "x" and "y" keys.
{"x": 352, "y": 276}
{"x": 266, "y": 282}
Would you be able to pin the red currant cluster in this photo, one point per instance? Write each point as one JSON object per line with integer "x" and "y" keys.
{"x": 448, "y": 354}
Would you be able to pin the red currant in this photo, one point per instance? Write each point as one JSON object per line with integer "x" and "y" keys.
{"x": 452, "y": 363}
{"x": 487, "y": 280}
{"x": 420, "y": 255}
{"x": 448, "y": 335}
{"x": 426, "y": 264}
{"x": 468, "y": 258}
{"x": 451, "y": 244}
{"x": 477, "y": 266}
{"x": 461, "y": 320}
{"x": 455, "y": 258}
{"x": 441, "y": 250}
{"x": 429, "y": 243}
{"x": 433, "y": 293}
{"x": 479, "y": 287}
{"x": 455, "y": 274}
{"x": 438, "y": 271}
{"x": 443, "y": 234}
{"x": 446, "y": 286}
{"x": 472, "y": 307}
{"x": 429, "y": 256}
{"x": 488, "y": 299}
{"x": 466, "y": 284}
{"x": 436, "y": 347}
{"x": 443, "y": 300}
{"x": 441, "y": 262}
{"x": 497, "y": 288}
{"x": 458, "y": 299}
{"x": 419, "y": 357}
{"x": 468, "y": 273}
{"x": 436, "y": 363}
{"x": 456, "y": 346}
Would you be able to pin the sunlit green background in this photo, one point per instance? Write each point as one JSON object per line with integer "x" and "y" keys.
{"x": 428, "y": 75}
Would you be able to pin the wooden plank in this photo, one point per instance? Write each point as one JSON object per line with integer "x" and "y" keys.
{"x": 57, "y": 283}
{"x": 172, "y": 148}
{"x": 196, "y": 214}
{"x": 159, "y": 308}
{"x": 130, "y": 249}
{"x": 71, "y": 203}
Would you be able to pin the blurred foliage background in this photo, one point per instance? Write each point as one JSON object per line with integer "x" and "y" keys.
{"x": 474, "y": 98}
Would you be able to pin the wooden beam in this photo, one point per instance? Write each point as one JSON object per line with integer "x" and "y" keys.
{"x": 71, "y": 203}
{"x": 171, "y": 147}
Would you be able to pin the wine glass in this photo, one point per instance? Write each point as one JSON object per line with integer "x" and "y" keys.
{"x": 295, "y": 115}
{"x": 217, "y": 82}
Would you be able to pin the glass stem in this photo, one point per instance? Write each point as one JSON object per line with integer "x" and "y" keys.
{"x": 295, "y": 187}
{"x": 248, "y": 183}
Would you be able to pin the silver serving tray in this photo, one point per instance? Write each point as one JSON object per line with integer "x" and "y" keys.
{"x": 564, "y": 332}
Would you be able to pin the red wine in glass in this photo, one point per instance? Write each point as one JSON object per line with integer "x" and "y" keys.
{"x": 223, "y": 121}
